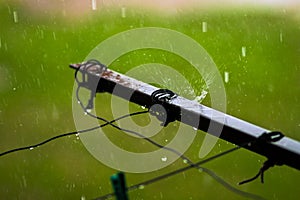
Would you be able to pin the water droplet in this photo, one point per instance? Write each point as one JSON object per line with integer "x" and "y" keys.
{"x": 200, "y": 169}
{"x": 185, "y": 161}
{"x": 82, "y": 197}
{"x": 143, "y": 107}
{"x": 200, "y": 98}
{"x": 204, "y": 27}
{"x": 280, "y": 37}
{"x": 226, "y": 77}
{"x": 78, "y": 102}
{"x": 195, "y": 128}
{"x": 166, "y": 140}
{"x": 164, "y": 159}
{"x": 141, "y": 187}
{"x": 123, "y": 12}
{"x": 14, "y": 89}
{"x": 15, "y": 14}
{"x": 89, "y": 110}
{"x": 85, "y": 113}
{"x": 94, "y": 5}
{"x": 31, "y": 148}
{"x": 20, "y": 124}
{"x": 244, "y": 51}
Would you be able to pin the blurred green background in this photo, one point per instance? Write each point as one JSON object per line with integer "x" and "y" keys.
{"x": 36, "y": 98}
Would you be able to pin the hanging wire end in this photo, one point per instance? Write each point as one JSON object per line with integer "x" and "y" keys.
{"x": 274, "y": 136}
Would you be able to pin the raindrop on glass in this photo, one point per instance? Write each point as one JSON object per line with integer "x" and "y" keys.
{"x": 15, "y": 14}
{"x": 244, "y": 51}
{"x": 204, "y": 27}
{"x": 164, "y": 159}
{"x": 226, "y": 77}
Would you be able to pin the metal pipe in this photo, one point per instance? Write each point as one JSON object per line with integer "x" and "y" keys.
{"x": 285, "y": 151}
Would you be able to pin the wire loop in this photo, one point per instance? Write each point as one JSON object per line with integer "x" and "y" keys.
{"x": 161, "y": 109}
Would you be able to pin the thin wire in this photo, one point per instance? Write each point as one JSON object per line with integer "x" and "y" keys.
{"x": 30, "y": 147}
{"x": 182, "y": 156}
{"x": 183, "y": 169}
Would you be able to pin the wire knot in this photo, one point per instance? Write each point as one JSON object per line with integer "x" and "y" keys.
{"x": 159, "y": 108}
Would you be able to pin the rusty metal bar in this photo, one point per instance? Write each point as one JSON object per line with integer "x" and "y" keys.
{"x": 234, "y": 130}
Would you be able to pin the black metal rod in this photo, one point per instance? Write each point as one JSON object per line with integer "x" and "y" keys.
{"x": 234, "y": 130}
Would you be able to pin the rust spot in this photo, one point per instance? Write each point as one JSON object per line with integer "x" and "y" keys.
{"x": 107, "y": 74}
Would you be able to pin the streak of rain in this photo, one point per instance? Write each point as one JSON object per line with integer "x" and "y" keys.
{"x": 54, "y": 35}
{"x": 94, "y": 5}
{"x": 15, "y": 15}
{"x": 204, "y": 27}
{"x": 123, "y": 12}
{"x": 244, "y": 51}
{"x": 226, "y": 77}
